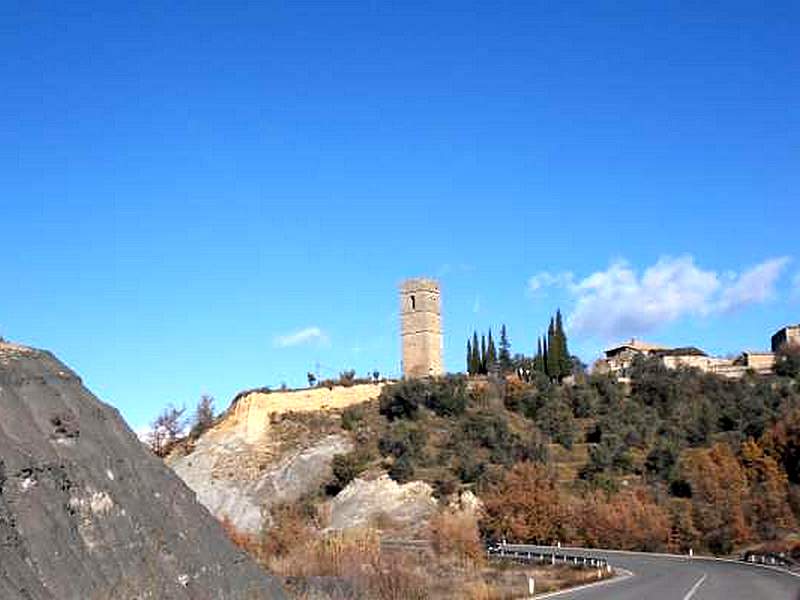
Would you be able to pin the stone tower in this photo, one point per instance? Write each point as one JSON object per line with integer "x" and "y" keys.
{"x": 421, "y": 327}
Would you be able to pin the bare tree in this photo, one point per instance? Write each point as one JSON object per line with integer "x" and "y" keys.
{"x": 203, "y": 415}
{"x": 166, "y": 429}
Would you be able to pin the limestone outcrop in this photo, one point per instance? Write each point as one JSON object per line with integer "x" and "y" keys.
{"x": 381, "y": 501}
{"x": 220, "y": 472}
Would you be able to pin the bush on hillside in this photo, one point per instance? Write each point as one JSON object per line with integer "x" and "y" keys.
{"x": 787, "y": 361}
{"x": 445, "y": 396}
{"x": 346, "y": 467}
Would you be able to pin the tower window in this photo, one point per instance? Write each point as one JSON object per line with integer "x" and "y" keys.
{"x": 413, "y": 303}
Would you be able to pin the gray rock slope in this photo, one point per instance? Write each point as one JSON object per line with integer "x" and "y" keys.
{"x": 86, "y": 512}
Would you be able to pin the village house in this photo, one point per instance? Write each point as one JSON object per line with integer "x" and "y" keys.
{"x": 619, "y": 359}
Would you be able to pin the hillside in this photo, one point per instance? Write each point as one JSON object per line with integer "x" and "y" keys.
{"x": 600, "y": 447}
{"x": 672, "y": 460}
{"x": 86, "y": 512}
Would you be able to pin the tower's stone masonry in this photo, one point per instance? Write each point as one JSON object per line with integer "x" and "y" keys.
{"x": 421, "y": 327}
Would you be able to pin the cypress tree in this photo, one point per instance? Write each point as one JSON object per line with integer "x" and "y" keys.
{"x": 469, "y": 357}
{"x": 538, "y": 360}
{"x": 553, "y": 362}
{"x": 491, "y": 353}
{"x": 476, "y": 358}
{"x": 483, "y": 355}
{"x": 565, "y": 361}
{"x": 505, "y": 350}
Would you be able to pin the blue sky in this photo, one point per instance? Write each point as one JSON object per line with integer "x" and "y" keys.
{"x": 199, "y": 198}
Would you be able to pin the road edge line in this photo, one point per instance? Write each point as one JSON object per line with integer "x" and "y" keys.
{"x": 616, "y": 579}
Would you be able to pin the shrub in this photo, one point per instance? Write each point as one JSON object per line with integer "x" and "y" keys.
{"x": 402, "y": 400}
{"x": 406, "y": 438}
{"x": 347, "y": 378}
{"x": 351, "y": 417}
{"x": 787, "y": 360}
{"x": 447, "y": 396}
{"x": 346, "y": 467}
{"x": 402, "y": 469}
{"x": 455, "y": 536}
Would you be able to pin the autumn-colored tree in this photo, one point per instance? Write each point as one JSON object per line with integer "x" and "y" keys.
{"x": 683, "y": 532}
{"x": 719, "y": 490}
{"x": 768, "y": 498}
{"x": 629, "y": 520}
{"x": 782, "y": 441}
{"x": 455, "y": 535}
{"x": 525, "y": 506}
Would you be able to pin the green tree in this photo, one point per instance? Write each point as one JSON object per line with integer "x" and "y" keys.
{"x": 469, "y": 357}
{"x": 538, "y": 360}
{"x": 555, "y": 418}
{"x": 491, "y": 353}
{"x": 564, "y": 358}
{"x": 553, "y": 363}
{"x": 505, "y": 351}
{"x": 787, "y": 360}
{"x": 483, "y": 369}
{"x": 476, "y": 356}
{"x": 545, "y": 355}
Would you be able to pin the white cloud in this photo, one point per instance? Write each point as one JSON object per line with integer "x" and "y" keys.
{"x": 545, "y": 279}
{"x": 754, "y": 286}
{"x": 308, "y": 335}
{"x": 619, "y": 302}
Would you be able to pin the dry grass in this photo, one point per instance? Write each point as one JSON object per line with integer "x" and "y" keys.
{"x": 455, "y": 536}
{"x": 352, "y": 564}
{"x": 354, "y": 558}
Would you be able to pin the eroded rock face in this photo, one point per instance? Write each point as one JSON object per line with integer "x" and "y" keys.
{"x": 220, "y": 471}
{"x": 364, "y": 502}
{"x": 87, "y": 512}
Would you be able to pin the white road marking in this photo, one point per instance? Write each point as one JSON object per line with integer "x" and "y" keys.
{"x": 691, "y": 592}
{"x": 625, "y": 574}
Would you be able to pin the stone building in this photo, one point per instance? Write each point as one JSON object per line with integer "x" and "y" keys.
{"x": 421, "y": 327}
{"x": 759, "y": 362}
{"x": 786, "y": 335}
{"x": 619, "y": 359}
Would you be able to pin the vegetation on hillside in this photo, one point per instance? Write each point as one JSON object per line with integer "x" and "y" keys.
{"x": 677, "y": 459}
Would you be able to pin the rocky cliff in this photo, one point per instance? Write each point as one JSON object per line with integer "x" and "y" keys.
{"x": 86, "y": 512}
{"x": 269, "y": 449}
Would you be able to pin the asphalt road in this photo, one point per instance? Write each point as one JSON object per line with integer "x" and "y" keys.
{"x": 658, "y": 577}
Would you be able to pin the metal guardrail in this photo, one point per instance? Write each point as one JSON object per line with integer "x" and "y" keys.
{"x": 502, "y": 552}
{"x": 776, "y": 559}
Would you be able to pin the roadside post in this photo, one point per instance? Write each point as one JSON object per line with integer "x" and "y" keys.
{"x": 531, "y": 586}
